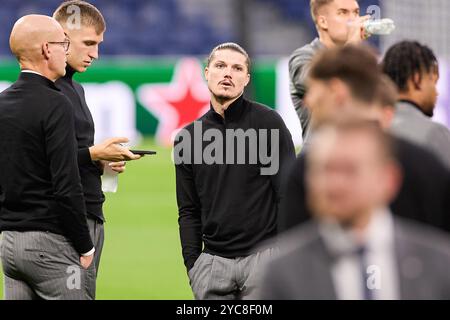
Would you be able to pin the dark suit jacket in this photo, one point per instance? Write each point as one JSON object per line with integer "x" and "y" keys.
{"x": 424, "y": 196}
{"x": 302, "y": 271}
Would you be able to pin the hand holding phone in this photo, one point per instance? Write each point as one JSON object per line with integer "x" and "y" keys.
{"x": 143, "y": 152}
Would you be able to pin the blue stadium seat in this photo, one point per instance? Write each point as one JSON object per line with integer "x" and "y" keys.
{"x": 153, "y": 26}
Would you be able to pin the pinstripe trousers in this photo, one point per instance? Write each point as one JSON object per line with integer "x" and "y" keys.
{"x": 44, "y": 265}
{"x": 217, "y": 278}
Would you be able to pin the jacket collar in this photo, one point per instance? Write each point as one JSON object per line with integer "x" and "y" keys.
{"x": 29, "y": 77}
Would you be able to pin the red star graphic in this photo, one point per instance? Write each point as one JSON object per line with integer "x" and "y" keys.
{"x": 178, "y": 103}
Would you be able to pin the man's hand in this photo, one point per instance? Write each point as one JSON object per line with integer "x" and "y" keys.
{"x": 111, "y": 150}
{"x": 118, "y": 167}
{"x": 356, "y": 32}
{"x": 86, "y": 261}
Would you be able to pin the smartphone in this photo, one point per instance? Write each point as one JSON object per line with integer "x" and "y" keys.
{"x": 143, "y": 152}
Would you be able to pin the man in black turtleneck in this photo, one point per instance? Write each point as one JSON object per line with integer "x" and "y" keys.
{"x": 227, "y": 191}
{"x": 85, "y": 38}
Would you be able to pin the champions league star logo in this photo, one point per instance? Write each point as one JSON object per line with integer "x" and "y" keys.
{"x": 179, "y": 102}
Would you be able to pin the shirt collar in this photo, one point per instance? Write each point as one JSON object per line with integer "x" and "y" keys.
{"x": 379, "y": 234}
{"x": 31, "y": 71}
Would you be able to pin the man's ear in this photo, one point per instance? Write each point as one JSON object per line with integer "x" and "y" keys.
{"x": 206, "y": 73}
{"x": 393, "y": 181}
{"x": 248, "y": 79}
{"x": 388, "y": 115}
{"x": 340, "y": 91}
{"x": 46, "y": 51}
{"x": 416, "y": 80}
{"x": 322, "y": 22}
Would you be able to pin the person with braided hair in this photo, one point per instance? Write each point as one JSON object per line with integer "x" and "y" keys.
{"x": 414, "y": 69}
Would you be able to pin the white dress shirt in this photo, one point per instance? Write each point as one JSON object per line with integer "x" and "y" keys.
{"x": 382, "y": 271}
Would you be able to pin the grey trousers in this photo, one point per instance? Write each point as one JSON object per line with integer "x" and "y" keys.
{"x": 97, "y": 231}
{"x": 44, "y": 265}
{"x": 215, "y": 278}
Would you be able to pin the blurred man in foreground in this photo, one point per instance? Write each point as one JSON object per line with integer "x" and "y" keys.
{"x": 354, "y": 248}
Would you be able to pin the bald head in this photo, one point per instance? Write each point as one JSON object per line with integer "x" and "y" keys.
{"x": 30, "y": 33}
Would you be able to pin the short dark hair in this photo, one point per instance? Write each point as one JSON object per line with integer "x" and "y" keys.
{"x": 90, "y": 15}
{"x": 230, "y": 46}
{"x": 405, "y": 59}
{"x": 356, "y": 66}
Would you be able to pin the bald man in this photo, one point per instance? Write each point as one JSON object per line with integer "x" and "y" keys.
{"x": 46, "y": 249}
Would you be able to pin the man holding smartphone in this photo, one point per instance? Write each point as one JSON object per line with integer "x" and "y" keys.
{"x": 85, "y": 39}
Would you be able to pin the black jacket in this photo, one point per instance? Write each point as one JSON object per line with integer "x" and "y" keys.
{"x": 90, "y": 171}
{"x": 229, "y": 208}
{"x": 40, "y": 187}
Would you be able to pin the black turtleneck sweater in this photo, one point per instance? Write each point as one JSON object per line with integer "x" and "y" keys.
{"x": 230, "y": 208}
{"x": 40, "y": 187}
{"x": 90, "y": 171}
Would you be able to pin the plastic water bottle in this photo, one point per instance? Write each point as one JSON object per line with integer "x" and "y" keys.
{"x": 380, "y": 26}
